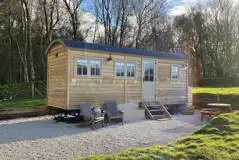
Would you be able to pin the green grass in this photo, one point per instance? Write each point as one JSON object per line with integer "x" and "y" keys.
{"x": 22, "y": 103}
{"x": 216, "y": 91}
{"x": 216, "y": 141}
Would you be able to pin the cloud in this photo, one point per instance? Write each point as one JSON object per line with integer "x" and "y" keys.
{"x": 183, "y": 7}
{"x": 178, "y": 10}
{"x": 88, "y": 26}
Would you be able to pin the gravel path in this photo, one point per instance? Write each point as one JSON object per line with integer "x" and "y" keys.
{"x": 42, "y": 138}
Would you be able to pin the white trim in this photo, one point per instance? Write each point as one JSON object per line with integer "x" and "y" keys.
{"x": 154, "y": 80}
{"x": 125, "y": 69}
{"x": 88, "y": 67}
{"x": 131, "y": 62}
{"x": 171, "y": 66}
{"x": 115, "y": 72}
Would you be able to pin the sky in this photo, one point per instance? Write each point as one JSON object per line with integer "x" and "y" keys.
{"x": 179, "y": 7}
{"x": 176, "y": 7}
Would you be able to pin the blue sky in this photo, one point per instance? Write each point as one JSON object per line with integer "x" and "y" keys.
{"x": 88, "y": 4}
{"x": 175, "y": 2}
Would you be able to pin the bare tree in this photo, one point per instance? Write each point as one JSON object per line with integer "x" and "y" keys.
{"x": 113, "y": 15}
{"x": 144, "y": 12}
{"x": 73, "y": 7}
{"x": 125, "y": 13}
{"x": 211, "y": 36}
{"x": 27, "y": 19}
{"x": 50, "y": 10}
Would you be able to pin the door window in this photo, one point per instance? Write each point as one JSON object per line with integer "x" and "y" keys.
{"x": 149, "y": 71}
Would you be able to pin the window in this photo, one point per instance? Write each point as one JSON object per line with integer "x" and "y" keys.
{"x": 90, "y": 67}
{"x": 82, "y": 67}
{"x": 174, "y": 72}
{"x": 120, "y": 69}
{"x": 94, "y": 67}
{"x": 131, "y": 68}
{"x": 148, "y": 71}
{"x": 123, "y": 69}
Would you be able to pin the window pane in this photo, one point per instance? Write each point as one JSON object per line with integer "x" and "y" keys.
{"x": 128, "y": 73}
{"x": 146, "y": 73}
{"x": 151, "y": 78}
{"x": 81, "y": 67}
{"x": 79, "y": 70}
{"x": 85, "y": 70}
{"x": 131, "y": 67}
{"x": 119, "y": 69}
{"x": 94, "y": 67}
{"x": 98, "y": 71}
{"x": 93, "y": 71}
{"x": 174, "y": 72}
{"x": 151, "y": 71}
{"x": 122, "y": 74}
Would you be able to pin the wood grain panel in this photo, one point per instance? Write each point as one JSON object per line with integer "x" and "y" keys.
{"x": 57, "y": 76}
{"x": 108, "y": 87}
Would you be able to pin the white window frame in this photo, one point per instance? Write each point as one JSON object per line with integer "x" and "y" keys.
{"x": 88, "y": 66}
{"x": 125, "y": 69}
{"x": 76, "y": 68}
{"x": 116, "y": 69}
{"x": 173, "y": 78}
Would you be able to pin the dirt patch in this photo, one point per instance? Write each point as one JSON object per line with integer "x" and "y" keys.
{"x": 24, "y": 112}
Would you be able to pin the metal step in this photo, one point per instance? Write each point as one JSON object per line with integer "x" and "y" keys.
{"x": 156, "y": 111}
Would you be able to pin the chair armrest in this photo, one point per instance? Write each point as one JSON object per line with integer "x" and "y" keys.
{"x": 121, "y": 112}
{"x": 107, "y": 113}
{"x": 103, "y": 113}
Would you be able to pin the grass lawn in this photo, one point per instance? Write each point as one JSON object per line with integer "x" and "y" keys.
{"x": 216, "y": 91}
{"x": 216, "y": 141}
{"x": 22, "y": 103}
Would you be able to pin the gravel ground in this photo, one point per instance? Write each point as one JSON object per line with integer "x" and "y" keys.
{"x": 42, "y": 138}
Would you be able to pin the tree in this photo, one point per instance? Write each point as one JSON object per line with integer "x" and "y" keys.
{"x": 211, "y": 36}
{"x": 72, "y": 7}
{"x": 109, "y": 13}
{"x": 145, "y": 12}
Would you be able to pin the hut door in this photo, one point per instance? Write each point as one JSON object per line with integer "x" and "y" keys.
{"x": 148, "y": 81}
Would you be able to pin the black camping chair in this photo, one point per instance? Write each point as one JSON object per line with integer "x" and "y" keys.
{"x": 113, "y": 112}
{"x": 88, "y": 115}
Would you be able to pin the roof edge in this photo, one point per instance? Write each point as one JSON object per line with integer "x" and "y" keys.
{"x": 52, "y": 43}
{"x": 74, "y": 44}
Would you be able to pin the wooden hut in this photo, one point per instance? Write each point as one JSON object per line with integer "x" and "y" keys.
{"x": 82, "y": 72}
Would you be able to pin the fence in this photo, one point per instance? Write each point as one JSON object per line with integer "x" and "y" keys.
{"x": 23, "y": 90}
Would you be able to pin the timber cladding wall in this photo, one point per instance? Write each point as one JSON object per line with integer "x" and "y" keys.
{"x": 170, "y": 91}
{"x": 105, "y": 87}
{"x": 109, "y": 87}
{"x": 57, "y": 69}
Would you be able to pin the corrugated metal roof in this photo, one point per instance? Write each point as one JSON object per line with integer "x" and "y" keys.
{"x": 106, "y": 48}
